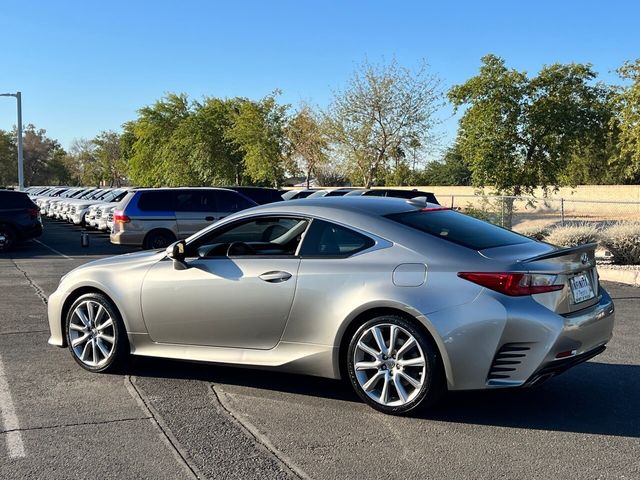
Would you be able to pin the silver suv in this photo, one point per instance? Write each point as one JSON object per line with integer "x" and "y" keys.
{"x": 157, "y": 217}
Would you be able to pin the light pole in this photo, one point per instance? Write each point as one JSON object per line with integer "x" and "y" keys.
{"x": 18, "y": 96}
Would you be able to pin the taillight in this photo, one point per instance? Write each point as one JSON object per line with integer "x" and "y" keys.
{"x": 514, "y": 284}
{"x": 33, "y": 212}
{"x": 120, "y": 217}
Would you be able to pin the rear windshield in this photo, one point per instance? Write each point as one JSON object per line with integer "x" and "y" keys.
{"x": 10, "y": 200}
{"x": 458, "y": 228}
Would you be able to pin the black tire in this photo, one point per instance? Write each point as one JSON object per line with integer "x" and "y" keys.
{"x": 158, "y": 239}
{"x": 120, "y": 346}
{"x": 432, "y": 377}
{"x": 8, "y": 238}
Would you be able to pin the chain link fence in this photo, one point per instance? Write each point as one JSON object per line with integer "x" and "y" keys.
{"x": 529, "y": 213}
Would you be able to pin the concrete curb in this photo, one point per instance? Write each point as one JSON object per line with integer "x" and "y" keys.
{"x": 630, "y": 277}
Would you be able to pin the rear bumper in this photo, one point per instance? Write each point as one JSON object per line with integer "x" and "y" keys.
{"x": 579, "y": 337}
{"x": 561, "y": 365}
{"x": 27, "y": 232}
{"x": 126, "y": 238}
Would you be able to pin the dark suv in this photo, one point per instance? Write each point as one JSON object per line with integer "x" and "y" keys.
{"x": 19, "y": 219}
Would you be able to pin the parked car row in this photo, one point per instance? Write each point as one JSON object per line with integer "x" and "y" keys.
{"x": 156, "y": 217}
{"x": 365, "y": 192}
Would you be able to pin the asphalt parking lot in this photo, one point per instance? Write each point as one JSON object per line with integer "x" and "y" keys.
{"x": 168, "y": 419}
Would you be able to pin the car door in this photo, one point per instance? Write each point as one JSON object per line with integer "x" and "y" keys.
{"x": 195, "y": 210}
{"x": 237, "y": 300}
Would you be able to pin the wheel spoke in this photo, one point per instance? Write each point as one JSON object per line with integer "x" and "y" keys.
{"x": 107, "y": 323}
{"x": 366, "y": 348}
{"x": 384, "y": 395}
{"x": 79, "y": 340}
{"x": 412, "y": 362}
{"x": 393, "y": 334}
{"x": 412, "y": 381}
{"x": 94, "y": 351}
{"x": 76, "y": 327}
{"x": 85, "y": 351}
{"x": 402, "y": 393}
{"x": 91, "y": 312}
{"x": 83, "y": 318}
{"x": 103, "y": 349}
{"x": 406, "y": 347}
{"x": 99, "y": 314}
{"x": 377, "y": 334}
{"x": 373, "y": 381}
{"x": 107, "y": 338}
{"x": 367, "y": 365}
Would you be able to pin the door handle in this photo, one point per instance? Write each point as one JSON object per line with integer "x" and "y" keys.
{"x": 275, "y": 277}
{"x": 209, "y": 219}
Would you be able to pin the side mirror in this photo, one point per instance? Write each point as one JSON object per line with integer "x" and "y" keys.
{"x": 176, "y": 252}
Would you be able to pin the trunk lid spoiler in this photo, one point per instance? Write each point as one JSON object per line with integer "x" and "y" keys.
{"x": 564, "y": 252}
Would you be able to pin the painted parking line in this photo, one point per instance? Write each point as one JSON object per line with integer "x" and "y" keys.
{"x": 53, "y": 249}
{"x": 10, "y": 422}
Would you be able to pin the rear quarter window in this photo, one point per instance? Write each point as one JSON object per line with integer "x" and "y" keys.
{"x": 459, "y": 228}
{"x": 325, "y": 239}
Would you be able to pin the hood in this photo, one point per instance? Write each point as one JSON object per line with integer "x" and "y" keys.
{"x": 127, "y": 260}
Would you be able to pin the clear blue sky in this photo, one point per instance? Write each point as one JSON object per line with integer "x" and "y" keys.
{"x": 87, "y": 66}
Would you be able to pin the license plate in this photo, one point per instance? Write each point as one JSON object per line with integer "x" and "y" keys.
{"x": 581, "y": 288}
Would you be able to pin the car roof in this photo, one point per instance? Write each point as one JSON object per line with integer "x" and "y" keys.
{"x": 155, "y": 189}
{"x": 378, "y": 206}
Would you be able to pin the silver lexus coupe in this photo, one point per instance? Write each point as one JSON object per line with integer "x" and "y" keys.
{"x": 404, "y": 298}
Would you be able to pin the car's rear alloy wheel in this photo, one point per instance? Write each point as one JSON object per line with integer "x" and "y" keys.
{"x": 95, "y": 333}
{"x": 158, "y": 239}
{"x": 7, "y": 238}
{"x": 393, "y": 366}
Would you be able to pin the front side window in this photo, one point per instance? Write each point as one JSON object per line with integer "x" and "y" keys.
{"x": 156, "y": 201}
{"x": 325, "y": 239}
{"x": 260, "y": 236}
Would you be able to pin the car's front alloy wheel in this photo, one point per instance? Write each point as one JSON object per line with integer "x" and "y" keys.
{"x": 95, "y": 333}
{"x": 393, "y": 366}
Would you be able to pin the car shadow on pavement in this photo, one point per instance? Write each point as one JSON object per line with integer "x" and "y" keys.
{"x": 595, "y": 398}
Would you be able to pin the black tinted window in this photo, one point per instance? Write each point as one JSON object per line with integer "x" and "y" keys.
{"x": 329, "y": 239}
{"x": 228, "y": 201}
{"x": 261, "y": 236}
{"x": 195, "y": 201}
{"x": 161, "y": 200}
{"x": 10, "y": 200}
{"x": 458, "y": 228}
{"x": 375, "y": 193}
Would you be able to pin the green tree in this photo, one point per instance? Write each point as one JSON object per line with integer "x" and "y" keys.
{"x": 518, "y": 133}
{"x": 39, "y": 153}
{"x": 258, "y": 131}
{"x": 307, "y": 142}
{"x": 151, "y": 161}
{"x": 627, "y": 100}
{"x": 8, "y": 159}
{"x": 212, "y": 156}
{"x": 451, "y": 170}
{"x": 384, "y": 108}
{"x": 110, "y": 161}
